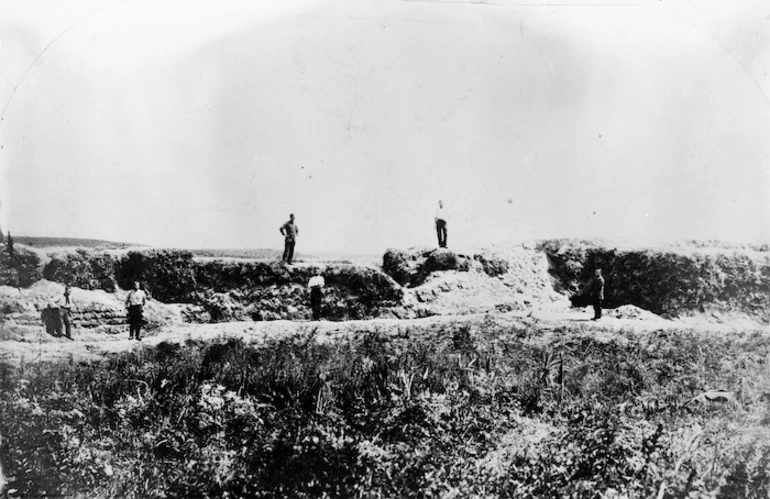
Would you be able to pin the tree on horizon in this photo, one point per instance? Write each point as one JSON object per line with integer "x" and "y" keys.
{"x": 9, "y": 245}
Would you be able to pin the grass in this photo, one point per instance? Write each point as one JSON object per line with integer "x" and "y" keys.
{"x": 43, "y": 242}
{"x": 472, "y": 412}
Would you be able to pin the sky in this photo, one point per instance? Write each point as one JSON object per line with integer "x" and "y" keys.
{"x": 203, "y": 124}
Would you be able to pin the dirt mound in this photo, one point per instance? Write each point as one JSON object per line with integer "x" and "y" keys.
{"x": 92, "y": 311}
{"x": 412, "y": 267}
{"x": 231, "y": 290}
{"x": 670, "y": 282}
{"x": 409, "y": 267}
{"x": 632, "y": 312}
{"x": 493, "y": 280}
{"x": 679, "y": 282}
{"x": 222, "y": 290}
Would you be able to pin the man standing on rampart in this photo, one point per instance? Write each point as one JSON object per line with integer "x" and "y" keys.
{"x": 290, "y": 232}
{"x": 441, "y": 222}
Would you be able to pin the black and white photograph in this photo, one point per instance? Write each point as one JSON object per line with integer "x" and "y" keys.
{"x": 385, "y": 249}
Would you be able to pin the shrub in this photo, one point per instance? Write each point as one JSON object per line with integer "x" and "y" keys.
{"x": 664, "y": 282}
{"x": 83, "y": 269}
{"x": 368, "y": 287}
{"x": 22, "y": 270}
{"x": 167, "y": 274}
{"x": 221, "y": 307}
{"x": 222, "y": 276}
{"x": 401, "y": 265}
{"x": 493, "y": 266}
{"x": 445, "y": 260}
{"x": 412, "y": 267}
{"x": 237, "y": 290}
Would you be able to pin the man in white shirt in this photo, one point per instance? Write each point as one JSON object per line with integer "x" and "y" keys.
{"x": 441, "y": 221}
{"x": 63, "y": 304}
{"x": 316, "y": 285}
{"x": 135, "y": 304}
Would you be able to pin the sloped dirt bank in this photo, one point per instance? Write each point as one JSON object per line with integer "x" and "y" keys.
{"x": 206, "y": 290}
{"x": 441, "y": 282}
{"x": 93, "y": 312}
{"x": 716, "y": 282}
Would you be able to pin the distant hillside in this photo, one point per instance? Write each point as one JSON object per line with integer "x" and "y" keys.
{"x": 252, "y": 253}
{"x": 46, "y": 242}
{"x": 273, "y": 254}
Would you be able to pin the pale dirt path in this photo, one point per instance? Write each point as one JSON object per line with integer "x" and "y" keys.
{"x": 548, "y": 325}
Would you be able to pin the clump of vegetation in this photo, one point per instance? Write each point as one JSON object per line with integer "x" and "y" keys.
{"x": 412, "y": 267}
{"x": 21, "y": 268}
{"x": 83, "y": 269}
{"x": 493, "y": 266}
{"x": 238, "y": 290}
{"x": 445, "y": 260}
{"x": 664, "y": 282}
{"x": 222, "y": 275}
{"x": 402, "y": 265}
{"x": 168, "y": 274}
{"x": 368, "y": 287}
{"x": 471, "y": 412}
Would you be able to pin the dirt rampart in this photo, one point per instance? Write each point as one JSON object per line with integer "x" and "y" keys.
{"x": 670, "y": 281}
{"x": 715, "y": 282}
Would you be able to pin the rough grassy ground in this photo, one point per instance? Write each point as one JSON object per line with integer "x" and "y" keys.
{"x": 506, "y": 393}
{"x": 547, "y": 404}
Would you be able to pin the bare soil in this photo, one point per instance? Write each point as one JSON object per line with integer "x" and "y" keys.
{"x": 37, "y": 346}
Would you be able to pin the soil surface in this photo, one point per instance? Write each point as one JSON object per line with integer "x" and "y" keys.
{"x": 549, "y": 326}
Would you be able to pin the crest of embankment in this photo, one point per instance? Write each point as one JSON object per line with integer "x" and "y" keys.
{"x": 715, "y": 282}
{"x": 718, "y": 281}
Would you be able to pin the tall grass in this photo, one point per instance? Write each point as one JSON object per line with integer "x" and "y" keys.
{"x": 469, "y": 414}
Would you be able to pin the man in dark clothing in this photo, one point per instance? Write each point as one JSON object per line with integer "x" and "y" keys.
{"x": 441, "y": 221}
{"x": 316, "y": 285}
{"x": 135, "y": 302}
{"x": 64, "y": 305}
{"x": 597, "y": 293}
{"x": 290, "y": 232}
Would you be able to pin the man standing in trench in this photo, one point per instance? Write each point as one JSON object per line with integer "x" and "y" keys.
{"x": 64, "y": 305}
{"x": 290, "y": 232}
{"x": 135, "y": 302}
{"x": 597, "y": 294}
{"x": 316, "y": 285}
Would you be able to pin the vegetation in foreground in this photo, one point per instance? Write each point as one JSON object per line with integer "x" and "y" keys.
{"x": 474, "y": 413}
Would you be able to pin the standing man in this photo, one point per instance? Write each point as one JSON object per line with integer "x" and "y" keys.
{"x": 597, "y": 293}
{"x": 135, "y": 304}
{"x": 290, "y": 232}
{"x": 316, "y": 285}
{"x": 64, "y": 305}
{"x": 441, "y": 220}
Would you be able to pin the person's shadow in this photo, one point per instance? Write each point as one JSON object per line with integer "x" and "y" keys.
{"x": 51, "y": 321}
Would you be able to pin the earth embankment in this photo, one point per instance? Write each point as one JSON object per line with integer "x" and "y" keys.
{"x": 717, "y": 282}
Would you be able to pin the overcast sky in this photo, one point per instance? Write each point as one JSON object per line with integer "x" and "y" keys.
{"x": 205, "y": 123}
